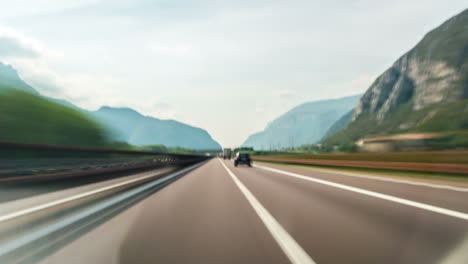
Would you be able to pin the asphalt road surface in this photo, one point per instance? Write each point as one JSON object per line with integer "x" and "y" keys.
{"x": 219, "y": 213}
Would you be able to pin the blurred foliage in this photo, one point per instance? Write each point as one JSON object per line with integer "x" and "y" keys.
{"x": 32, "y": 119}
{"x": 243, "y": 149}
{"x": 453, "y": 140}
{"x": 457, "y": 157}
{"x": 153, "y": 148}
{"x": 446, "y": 118}
{"x": 29, "y": 118}
{"x": 164, "y": 149}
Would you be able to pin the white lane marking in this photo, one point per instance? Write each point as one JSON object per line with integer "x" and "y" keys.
{"x": 419, "y": 205}
{"x": 37, "y": 208}
{"x": 290, "y": 247}
{"x": 54, "y": 227}
{"x": 425, "y": 184}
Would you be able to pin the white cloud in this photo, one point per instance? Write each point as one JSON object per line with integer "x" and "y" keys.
{"x": 31, "y": 59}
{"x": 28, "y": 56}
{"x": 15, "y": 44}
{"x": 87, "y": 91}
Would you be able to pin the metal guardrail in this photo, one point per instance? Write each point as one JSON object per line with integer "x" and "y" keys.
{"x": 42, "y": 147}
{"x": 25, "y": 235}
{"x": 28, "y": 234}
{"x": 28, "y": 162}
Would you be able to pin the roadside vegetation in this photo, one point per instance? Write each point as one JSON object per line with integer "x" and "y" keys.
{"x": 450, "y": 119}
{"x": 427, "y": 162}
{"x": 164, "y": 149}
{"x": 383, "y": 172}
{"x": 32, "y": 119}
{"x": 29, "y": 118}
{"x": 455, "y": 157}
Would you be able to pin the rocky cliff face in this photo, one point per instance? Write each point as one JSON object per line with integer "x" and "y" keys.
{"x": 433, "y": 71}
{"x": 425, "y": 82}
{"x": 425, "y": 90}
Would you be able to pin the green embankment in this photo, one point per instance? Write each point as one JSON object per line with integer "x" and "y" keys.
{"x": 164, "y": 149}
{"x": 28, "y": 118}
{"x": 448, "y": 118}
{"x": 31, "y": 118}
{"x": 454, "y": 157}
{"x": 384, "y": 172}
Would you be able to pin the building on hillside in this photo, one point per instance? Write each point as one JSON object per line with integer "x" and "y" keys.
{"x": 399, "y": 142}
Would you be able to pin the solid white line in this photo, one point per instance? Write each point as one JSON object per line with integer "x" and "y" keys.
{"x": 290, "y": 247}
{"x": 37, "y": 208}
{"x": 21, "y": 241}
{"x": 424, "y": 184}
{"x": 419, "y": 205}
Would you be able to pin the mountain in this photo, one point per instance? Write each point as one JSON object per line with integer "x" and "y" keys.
{"x": 27, "y": 117}
{"x": 425, "y": 90}
{"x": 136, "y": 129}
{"x": 9, "y": 78}
{"x": 116, "y": 124}
{"x": 339, "y": 124}
{"x": 304, "y": 124}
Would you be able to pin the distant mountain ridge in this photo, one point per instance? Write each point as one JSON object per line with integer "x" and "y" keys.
{"x": 426, "y": 90}
{"x": 137, "y": 129}
{"x": 302, "y": 125}
{"x": 27, "y": 117}
{"x": 124, "y": 124}
{"x": 9, "y": 78}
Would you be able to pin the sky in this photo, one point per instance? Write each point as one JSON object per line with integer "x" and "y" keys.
{"x": 229, "y": 67}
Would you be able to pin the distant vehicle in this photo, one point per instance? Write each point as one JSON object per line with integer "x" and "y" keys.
{"x": 227, "y": 153}
{"x": 242, "y": 158}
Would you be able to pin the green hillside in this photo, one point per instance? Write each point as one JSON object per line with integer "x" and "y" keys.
{"x": 445, "y": 118}
{"x": 304, "y": 124}
{"x": 26, "y": 116}
{"x": 338, "y": 125}
{"x": 10, "y": 78}
{"x": 426, "y": 90}
{"x": 29, "y": 118}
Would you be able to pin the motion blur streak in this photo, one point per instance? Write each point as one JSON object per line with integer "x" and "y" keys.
{"x": 427, "y": 207}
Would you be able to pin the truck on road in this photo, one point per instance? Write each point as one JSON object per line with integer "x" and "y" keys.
{"x": 227, "y": 153}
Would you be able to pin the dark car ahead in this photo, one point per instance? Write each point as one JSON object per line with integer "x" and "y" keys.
{"x": 242, "y": 158}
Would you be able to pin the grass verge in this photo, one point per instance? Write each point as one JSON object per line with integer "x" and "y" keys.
{"x": 462, "y": 178}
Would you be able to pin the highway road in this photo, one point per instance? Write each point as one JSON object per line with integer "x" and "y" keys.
{"x": 218, "y": 213}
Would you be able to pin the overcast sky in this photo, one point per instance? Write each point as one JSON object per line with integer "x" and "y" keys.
{"x": 229, "y": 67}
